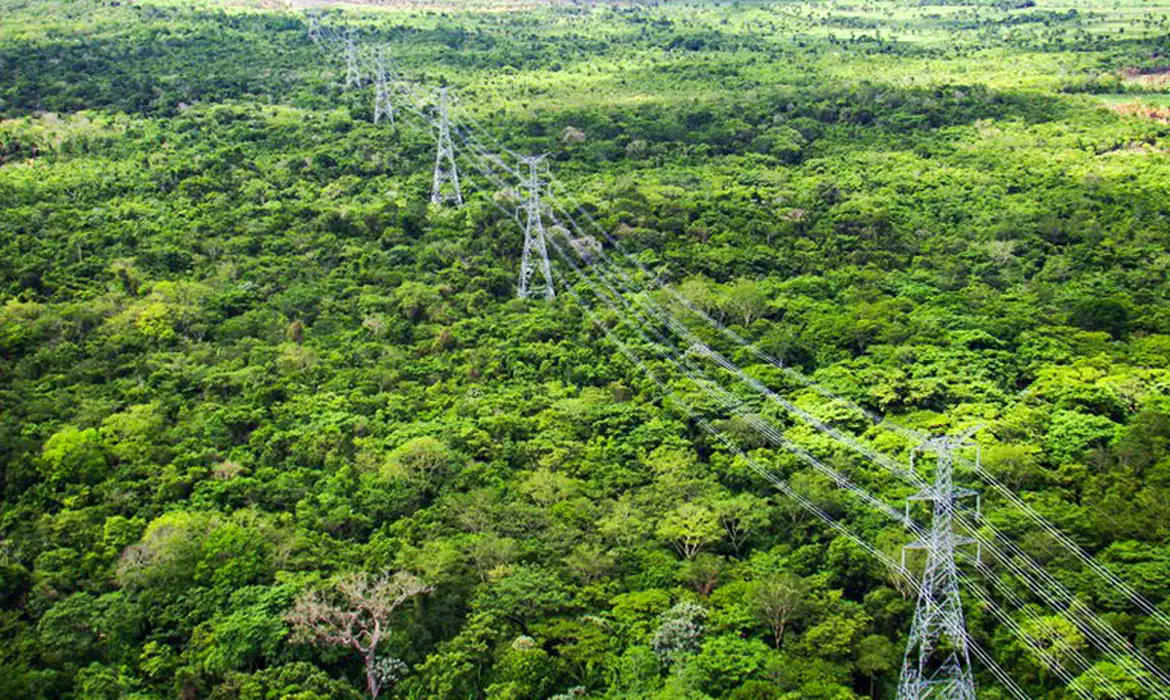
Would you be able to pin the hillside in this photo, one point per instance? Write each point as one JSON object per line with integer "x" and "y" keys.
{"x": 243, "y": 357}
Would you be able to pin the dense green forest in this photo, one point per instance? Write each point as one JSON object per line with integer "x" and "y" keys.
{"x": 251, "y": 381}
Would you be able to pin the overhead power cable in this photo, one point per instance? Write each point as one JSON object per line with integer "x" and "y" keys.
{"x": 472, "y": 143}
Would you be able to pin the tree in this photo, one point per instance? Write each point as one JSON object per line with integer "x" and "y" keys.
{"x": 745, "y": 300}
{"x": 679, "y": 632}
{"x": 1102, "y": 314}
{"x": 1015, "y": 465}
{"x": 625, "y": 523}
{"x": 416, "y": 300}
{"x": 635, "y": 613}
{"x": 73, "y": 455}
{"x": 728, "y": 661}
{"x": 835, "y": 636}
{"x": 1056, "y": 636}
{"x": 589, "y": 562}
{"x": 423, "y": 460}
{"x": 355, "y": 615}
{"x": 248, "y": 635}
{"x": 523, "y": 593}
{"x": 456, "y": 668}
{"x": 1071, "y": 433}
{"x": 741, "y": 516}
{"x": 636, "y": 671}
{"x": 690, "y": 527}
{"x": 1110, "y": 680}
{"x": 170, "y": 551}
{"x": 300, "y": 680}
{"x": 523, "y": 670}
{"x": 487, "y": 550}
{"x": 875, "y": 655}
{"x": 702, "y": 573}
{"x": 98, "y": 682}
{"x": 777, "y": 601}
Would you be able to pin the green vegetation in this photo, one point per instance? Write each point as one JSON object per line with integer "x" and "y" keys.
{"x": 247, "y": 376}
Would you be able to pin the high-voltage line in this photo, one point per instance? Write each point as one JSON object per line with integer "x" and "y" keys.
{"x": 669, "y": 320}
{"x": 1092, "y": 672}
{"x": 1158, "y": 687}
{"x": 755, "y": 351}
{"x": 1089, "y": 670}
{"x": 759, "y": 469}
{"x": 446, "y": 172}
{"x": 1125, "y": 661}
{"x": 939, "y": 622}
{"x": 998, "y": 672}
{"x": 1046, "y": 656}
{"x": 842, "y": 481}
{"x": 534, "y": 236}
{"x": 771, "y": 435}
{"x": 379, "y": 63}
{"x": 1112, "y": 579}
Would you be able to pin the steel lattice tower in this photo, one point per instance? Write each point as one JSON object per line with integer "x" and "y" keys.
{"x": 534, "y": 235}
{"x": 445, "y": 169}
{"x": 937, "y": 665}
{"x": 353, "y": 77}
{"x": 314, "y": 28}
{"x": 383, "y": 107}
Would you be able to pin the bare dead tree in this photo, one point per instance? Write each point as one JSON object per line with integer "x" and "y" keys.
{"x": 354, "y": 614}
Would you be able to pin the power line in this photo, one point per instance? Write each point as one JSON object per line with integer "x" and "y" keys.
{"x": 478, "y": 150}
{"x": 773, "y": 435}
{"x": 776, "y": 438}
{"x": 887, "y": 463}
{"x": 736, "y": 450}
{"x": 838, "y": 478}
{"x": 891, "y": 465}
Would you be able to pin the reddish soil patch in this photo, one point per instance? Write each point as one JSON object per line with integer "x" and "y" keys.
{"x": 1146, "y": 111}
{"x": 1147, "y": 76}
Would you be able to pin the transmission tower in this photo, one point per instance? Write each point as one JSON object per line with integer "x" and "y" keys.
{"x": 383, "y": 107}
{"x": 445, "y": 170}
{"x": 314, "y": 28}
{"x": 937, "y": 665}
{"x": 534, "y": 236}
{"x": 353, "y": 77}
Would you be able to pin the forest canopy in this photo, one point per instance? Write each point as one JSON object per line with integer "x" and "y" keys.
{"x": 273, "y": 425}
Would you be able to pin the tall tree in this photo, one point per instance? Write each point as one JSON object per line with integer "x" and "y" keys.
{"x": 778, "y": 601}
{"x": 355, "y": 614}
{"x": 690, "y": 527}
